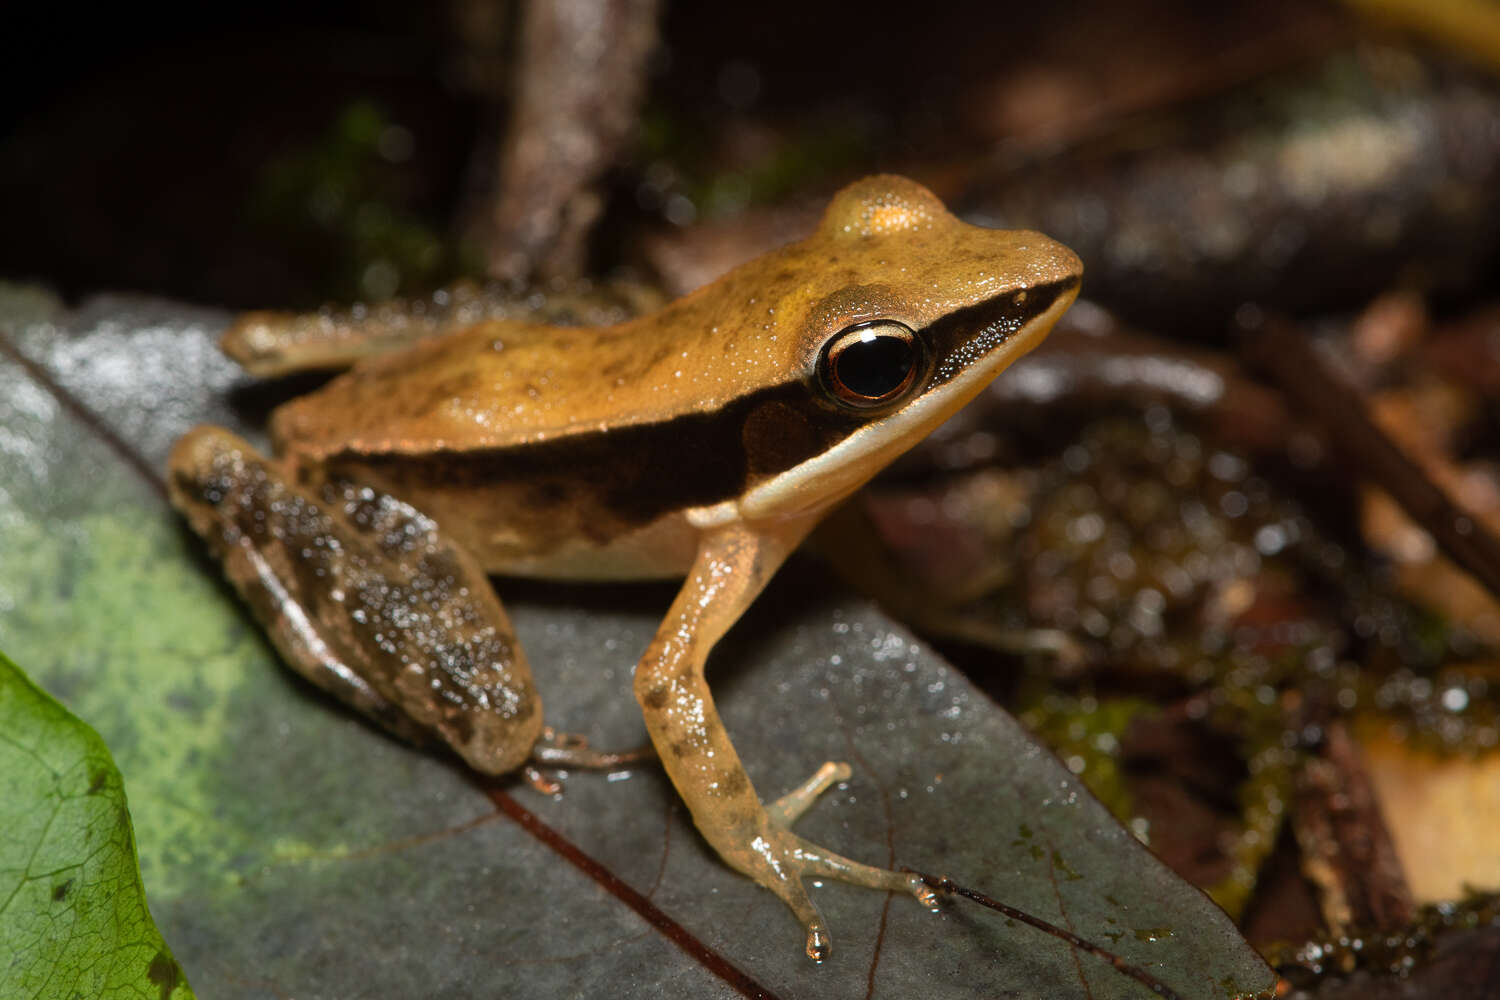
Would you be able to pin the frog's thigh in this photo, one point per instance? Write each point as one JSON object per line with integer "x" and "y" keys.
{"x": 732, "y": 566}
{"x": 364, "y": 596}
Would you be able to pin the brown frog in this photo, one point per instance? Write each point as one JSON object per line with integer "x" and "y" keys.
{"x": 703, "y": 441}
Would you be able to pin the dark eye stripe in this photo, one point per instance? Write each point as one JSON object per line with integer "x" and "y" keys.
{"x": 871, "y": 364}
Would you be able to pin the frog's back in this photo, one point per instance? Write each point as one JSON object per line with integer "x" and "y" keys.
{"x": 495, "y": 385}
{"x": 505, "y": 384}
{"x": 560, "y": 451}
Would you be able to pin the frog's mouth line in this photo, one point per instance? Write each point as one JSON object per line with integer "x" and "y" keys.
{"x": 982, "y": 341}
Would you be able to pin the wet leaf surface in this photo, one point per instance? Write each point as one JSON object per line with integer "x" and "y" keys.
{"x": 288, "y": 847}
{"x": 73, "y": 917}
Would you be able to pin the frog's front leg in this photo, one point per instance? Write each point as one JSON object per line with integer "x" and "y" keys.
{"x": 732, "y": 566}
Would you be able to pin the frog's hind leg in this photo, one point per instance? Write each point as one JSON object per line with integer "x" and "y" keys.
{"x": 365, "y": 597}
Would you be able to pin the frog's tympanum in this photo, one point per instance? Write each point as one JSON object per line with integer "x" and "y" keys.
{"x": 704, "y": 440}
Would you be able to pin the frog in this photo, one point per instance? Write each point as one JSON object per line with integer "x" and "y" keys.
{"x": 702, "y": 441}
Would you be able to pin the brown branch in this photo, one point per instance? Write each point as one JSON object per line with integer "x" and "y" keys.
{"x": 1315, "y": 388}
{"x": 1346, "y": 848}
{"x": 580, "y": 81}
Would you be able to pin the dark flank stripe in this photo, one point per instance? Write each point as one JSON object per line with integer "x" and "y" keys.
{"x": 638, "y": 473}
{"x": 629, "y": 476}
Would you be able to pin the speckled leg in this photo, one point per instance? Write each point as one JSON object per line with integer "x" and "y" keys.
{"x": 732, "y": 566}
{"x": 364, "y": 597}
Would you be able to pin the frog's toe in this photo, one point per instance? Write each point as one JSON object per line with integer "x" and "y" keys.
{"x": 555, "y": 749}
{"x": 819, "y": 946}
{"x": 560, "y": 740}
{"x": 925, "y": 894}
{"x": 543, "y": 784}
{"x": 796, "y": 859}
{"x": 816, "y": 861}
{"x": 794, "y": 895}
{"x": 786, "y": 810}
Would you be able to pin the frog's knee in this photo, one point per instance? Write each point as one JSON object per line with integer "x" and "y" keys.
{"x": 202, "y": 454}
{"x": 499, "y": 741}
{"x": 207, "y": 467}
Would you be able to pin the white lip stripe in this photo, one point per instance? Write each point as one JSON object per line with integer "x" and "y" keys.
{"x": 837, "y": 472}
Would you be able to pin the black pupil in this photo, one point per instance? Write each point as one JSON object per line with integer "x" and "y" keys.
{"x": 875, "y": 367}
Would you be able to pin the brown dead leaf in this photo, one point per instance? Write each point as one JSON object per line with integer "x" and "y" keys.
{"x": 1425, "y": 419}
{"x": 1442, "y": 812}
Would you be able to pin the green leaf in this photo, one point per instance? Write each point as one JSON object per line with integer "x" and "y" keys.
{"x": 73, "y": 917}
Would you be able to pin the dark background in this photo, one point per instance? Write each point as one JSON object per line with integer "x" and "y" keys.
{"x": 153, "y": 149}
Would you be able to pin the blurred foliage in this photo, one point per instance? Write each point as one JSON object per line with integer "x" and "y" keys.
{"x": 345, "y": 204}
{"x": 688, "y": 177}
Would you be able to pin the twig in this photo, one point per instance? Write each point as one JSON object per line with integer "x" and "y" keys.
{"x": 581, "y": 77}
{"x": 945, "y": 884}
{"x": 1347, "y": 849}
{"x": 1284, "y": 352}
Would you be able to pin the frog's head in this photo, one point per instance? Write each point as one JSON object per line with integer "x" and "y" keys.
{"x": 907, "y": 315}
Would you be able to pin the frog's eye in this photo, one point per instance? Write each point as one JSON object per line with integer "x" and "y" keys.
{"x": 871, "y": 364}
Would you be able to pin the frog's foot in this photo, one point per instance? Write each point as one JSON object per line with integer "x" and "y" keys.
{"x": 782, "y": 860}
{"x": 558, "y": 749}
